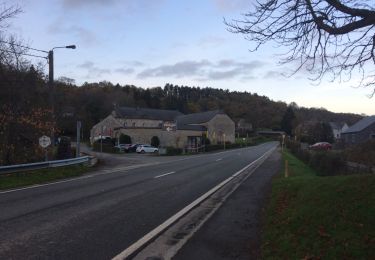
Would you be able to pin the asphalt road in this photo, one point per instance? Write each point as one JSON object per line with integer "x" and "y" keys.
{"x": 99, "y": 215}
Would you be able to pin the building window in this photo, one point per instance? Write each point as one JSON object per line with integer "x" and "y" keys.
{"x": 133, "y": 124}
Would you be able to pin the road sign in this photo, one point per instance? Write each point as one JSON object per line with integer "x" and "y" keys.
{"x": 44, "y": 141}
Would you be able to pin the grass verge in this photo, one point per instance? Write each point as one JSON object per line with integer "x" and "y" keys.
{"x": 311, "y": 217}
{"x": 28, "y": 178}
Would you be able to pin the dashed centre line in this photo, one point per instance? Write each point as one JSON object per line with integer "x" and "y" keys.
{"x": 219, "y": 159}
{"x": 165, "y": 174}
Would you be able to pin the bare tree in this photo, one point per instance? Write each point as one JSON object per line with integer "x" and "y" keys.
{"x": 325, "y": 37}
{"x": 10, "y": 53}
{"x": 7, "y": 12}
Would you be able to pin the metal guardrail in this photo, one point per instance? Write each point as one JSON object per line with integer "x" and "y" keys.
{"x": 42, "y": 165}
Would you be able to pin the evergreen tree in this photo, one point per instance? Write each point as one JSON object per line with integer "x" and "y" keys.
{"x": 287, "y": 122}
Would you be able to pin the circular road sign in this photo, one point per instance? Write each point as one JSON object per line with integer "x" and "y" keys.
{"x": 44, "y": 141}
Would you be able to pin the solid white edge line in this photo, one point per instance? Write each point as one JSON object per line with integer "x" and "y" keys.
{"x": 165, "y": 174}
{"x": 146, "y": 238}
{"x": 101, "y": 172}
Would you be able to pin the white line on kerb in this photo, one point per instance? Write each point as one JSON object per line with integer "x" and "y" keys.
{"x": 153, "y": 233}
{"x": 162, "y": 175}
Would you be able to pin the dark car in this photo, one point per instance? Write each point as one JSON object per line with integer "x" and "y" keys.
{"x": 122, "y": 147}
{"x": 131, "y": 148}
{"x": 321, "y": 146}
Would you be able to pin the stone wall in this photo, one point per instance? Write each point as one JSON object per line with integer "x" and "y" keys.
{"x": 140, "y": 123}
{"x": 173, "y": 138}
{"x": 106, "y": 127}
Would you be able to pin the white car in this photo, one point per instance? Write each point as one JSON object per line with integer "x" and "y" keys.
{"x": 145, "y": 148}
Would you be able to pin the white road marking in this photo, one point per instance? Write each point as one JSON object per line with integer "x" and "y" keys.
{"x": 102, "y": 172}
{"x": 156, "y": 231}
{"x": 162, "y": 175}
{"x": 219, "y": 159}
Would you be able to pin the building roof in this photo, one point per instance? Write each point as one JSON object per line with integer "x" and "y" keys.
{"x": 147, "y": 113}
{"x": 193, "y": 121}
{"x": 360, "y": 125}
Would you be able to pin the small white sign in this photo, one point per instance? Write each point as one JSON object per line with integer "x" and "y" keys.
{"x": 44, "y": 141}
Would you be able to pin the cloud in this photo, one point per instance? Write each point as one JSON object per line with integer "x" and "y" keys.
{"x": 178, "y": 70}
{"x": 211, "y": 41}
{"x": 232, "y": 5}
{"x": 123, "y": 5}
{"x": 236, "y": 69}
{"x": 71, "y": 4}
{"x": 273, "y": 74}
{"x": 92, "y": 70}
{"x": 124, "y": 70}
{"x": 204, "y": 69}
{"x": 84, "y": 35}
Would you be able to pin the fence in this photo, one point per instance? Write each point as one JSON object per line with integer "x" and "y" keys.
{"x": 49, "y": 164}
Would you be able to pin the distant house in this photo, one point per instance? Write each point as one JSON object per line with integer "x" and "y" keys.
{"x": 243, "y": 127}
{"x": 338, "y": 128}
{"x": 171, "y": 127}
{"x": 360, "y": 132}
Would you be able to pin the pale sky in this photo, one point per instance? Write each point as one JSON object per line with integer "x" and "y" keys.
{"x": 149, "y": 43}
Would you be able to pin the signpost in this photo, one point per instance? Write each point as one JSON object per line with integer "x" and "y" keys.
{"x": 44, "y": 142}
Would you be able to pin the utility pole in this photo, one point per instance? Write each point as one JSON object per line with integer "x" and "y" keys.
{"x": 78, "y": 139}
{"x": 51, "y": 93}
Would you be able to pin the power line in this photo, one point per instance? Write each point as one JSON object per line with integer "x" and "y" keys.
{"x": 22, "y": 46}
{"x": 24, "y": 54}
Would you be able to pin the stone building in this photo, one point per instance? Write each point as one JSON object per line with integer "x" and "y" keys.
{"x": 171, "y": 127}
{"x": 360, "y": 132}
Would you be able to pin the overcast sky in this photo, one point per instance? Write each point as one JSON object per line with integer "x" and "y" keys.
{"x": 149, "y": 43}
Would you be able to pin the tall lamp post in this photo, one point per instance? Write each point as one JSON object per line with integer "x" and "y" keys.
{"x": 51, "y": 85}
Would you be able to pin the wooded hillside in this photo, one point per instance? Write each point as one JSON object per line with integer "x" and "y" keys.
{"x": 92, "y": 102}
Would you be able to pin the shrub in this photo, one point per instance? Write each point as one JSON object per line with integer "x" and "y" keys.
{"x": 328, "y": 163}
{"x": 206, "y": 141}
{"x": 324, "y": 162}
{"x": 173, "y": 151}
{"x": 362, "y": 153}
{"x": 213, "y": 147}
{"x": 64, "y": 149}
{"x": 155, "y": 141}
{"x": 106, "y": 147}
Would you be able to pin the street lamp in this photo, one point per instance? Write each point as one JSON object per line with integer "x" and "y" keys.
{"x": 50, "y": 62}
{"x": 50, "y": 82}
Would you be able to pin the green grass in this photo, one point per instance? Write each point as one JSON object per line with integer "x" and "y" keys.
{"x": 28, "y": 178}
{"x": 319, "y": 217}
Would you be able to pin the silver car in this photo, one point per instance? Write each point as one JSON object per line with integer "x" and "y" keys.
{"x": 145, "y": 148}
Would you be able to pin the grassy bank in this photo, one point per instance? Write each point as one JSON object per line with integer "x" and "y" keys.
{"x": 311, "y": 217}
{"x": 28, "y": 178}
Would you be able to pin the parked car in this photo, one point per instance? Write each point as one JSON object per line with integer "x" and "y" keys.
{"x": 132, "y": 148}
{"x": 122, "y": 147}
{"x": 321, "y": 146}
{"x": 145, "y": 148}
